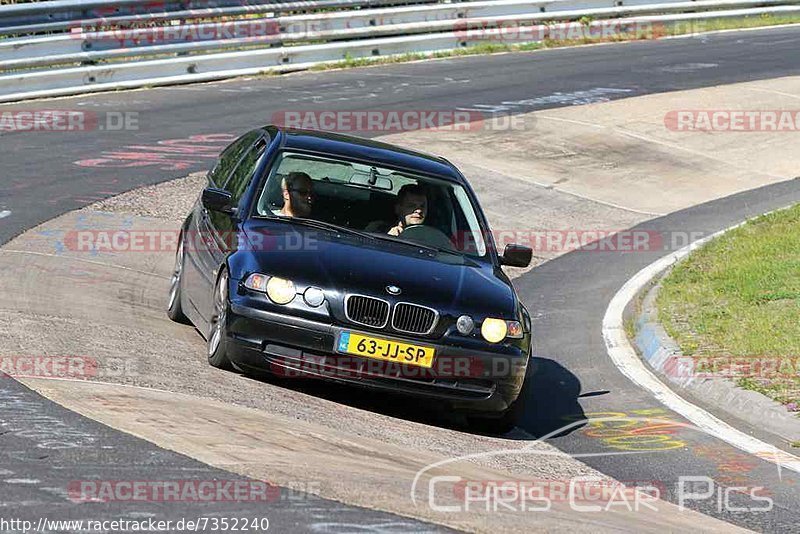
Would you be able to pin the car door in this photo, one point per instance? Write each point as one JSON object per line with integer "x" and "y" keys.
{"x": 199, "y": 241}
{"x": 221, "y": 230}
{"x": 237, "y": 184}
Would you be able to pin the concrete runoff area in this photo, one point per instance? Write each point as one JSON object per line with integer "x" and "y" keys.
{"x": 633, "y": 153}
{"x": 112, "y": 308}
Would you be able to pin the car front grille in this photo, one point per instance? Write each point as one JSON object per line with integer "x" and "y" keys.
{"x": 368, "y": 311}
{"x": 413, "y": 319}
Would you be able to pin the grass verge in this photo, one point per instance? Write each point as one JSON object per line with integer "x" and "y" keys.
{"x": 477, "y": 50}
{"x": 735, "y": 303}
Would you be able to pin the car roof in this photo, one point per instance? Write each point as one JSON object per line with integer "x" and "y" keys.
{"x": 358, "y": 148}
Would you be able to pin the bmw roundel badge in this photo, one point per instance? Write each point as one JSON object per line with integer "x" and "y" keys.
{"x": 393, "y": 290}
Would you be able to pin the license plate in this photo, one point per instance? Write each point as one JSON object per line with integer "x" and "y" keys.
{"x": 384, "y": 349}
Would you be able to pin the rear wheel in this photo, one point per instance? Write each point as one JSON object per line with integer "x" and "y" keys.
{"x": 217, "y": 338}
{"x": 174, "y": 306}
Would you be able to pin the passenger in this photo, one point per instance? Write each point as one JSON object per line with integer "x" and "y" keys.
{"x": 298, "y": 193}
{"x": 411, "y": 207}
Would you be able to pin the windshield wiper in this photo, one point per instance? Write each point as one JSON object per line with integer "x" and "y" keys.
{"x": 416, "y": 244}
{"x": 433, "y": 248}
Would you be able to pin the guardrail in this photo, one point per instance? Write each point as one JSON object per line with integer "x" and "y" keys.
{"x": 66, "y": 14}
{"x": 76, "y": 46}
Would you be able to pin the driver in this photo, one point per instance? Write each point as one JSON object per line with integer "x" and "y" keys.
{"x": 411, "y": 207}
{"x": 298, "y": 191}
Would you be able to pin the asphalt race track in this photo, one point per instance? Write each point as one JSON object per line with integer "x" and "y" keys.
{"x": 567, "y": 296}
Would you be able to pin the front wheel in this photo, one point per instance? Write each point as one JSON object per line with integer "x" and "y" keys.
{"x": 218, "y": 337}
{"x": 499, "y": 425}
{"x": 505, "y": 422}
{"x": 174, "y": 305}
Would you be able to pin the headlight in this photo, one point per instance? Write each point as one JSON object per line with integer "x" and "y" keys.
{"x": 280, "y": 290}
{"x": 494, "y": 330}
{"x": 283, "y": 291}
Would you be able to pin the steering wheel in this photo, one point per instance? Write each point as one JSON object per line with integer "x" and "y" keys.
{"x": 426, "y": 235}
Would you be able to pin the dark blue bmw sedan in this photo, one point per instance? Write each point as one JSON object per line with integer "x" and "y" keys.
{"x": 322, "y": 255}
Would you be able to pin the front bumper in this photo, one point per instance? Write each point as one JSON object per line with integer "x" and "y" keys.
{"x": 477, "y": 380}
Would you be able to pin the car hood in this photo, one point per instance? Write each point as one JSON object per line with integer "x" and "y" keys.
{"x": 351, "y": 264}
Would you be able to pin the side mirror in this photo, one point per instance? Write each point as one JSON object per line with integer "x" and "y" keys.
{"x": 516, "y": 256}
{"x": 217, "y": 200}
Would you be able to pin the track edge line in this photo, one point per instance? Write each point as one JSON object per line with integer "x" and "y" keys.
{"x": 626, "y": 359}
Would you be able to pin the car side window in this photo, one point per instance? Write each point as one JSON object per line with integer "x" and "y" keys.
{"x": 230, "y": 157}
{"x": 242, "y": 176}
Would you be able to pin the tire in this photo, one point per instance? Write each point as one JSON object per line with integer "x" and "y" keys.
{"x": 498, "y": 425}
{"x": 174, "y": 305}
{"x": 218, "y": 335}
{"x": 504, "y": 422}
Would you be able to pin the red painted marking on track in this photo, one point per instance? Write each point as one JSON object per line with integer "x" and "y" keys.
{"x": 167, "y": 154}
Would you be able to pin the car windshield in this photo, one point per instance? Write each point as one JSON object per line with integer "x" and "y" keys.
{"x": 382, "y": 202}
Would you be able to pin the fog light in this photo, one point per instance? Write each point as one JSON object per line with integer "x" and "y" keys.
{"x": 314, "y": 296}
{"x": 280, "y": 290}
{"x": 494, "y": 330}
{"x": 465, "y": 324}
